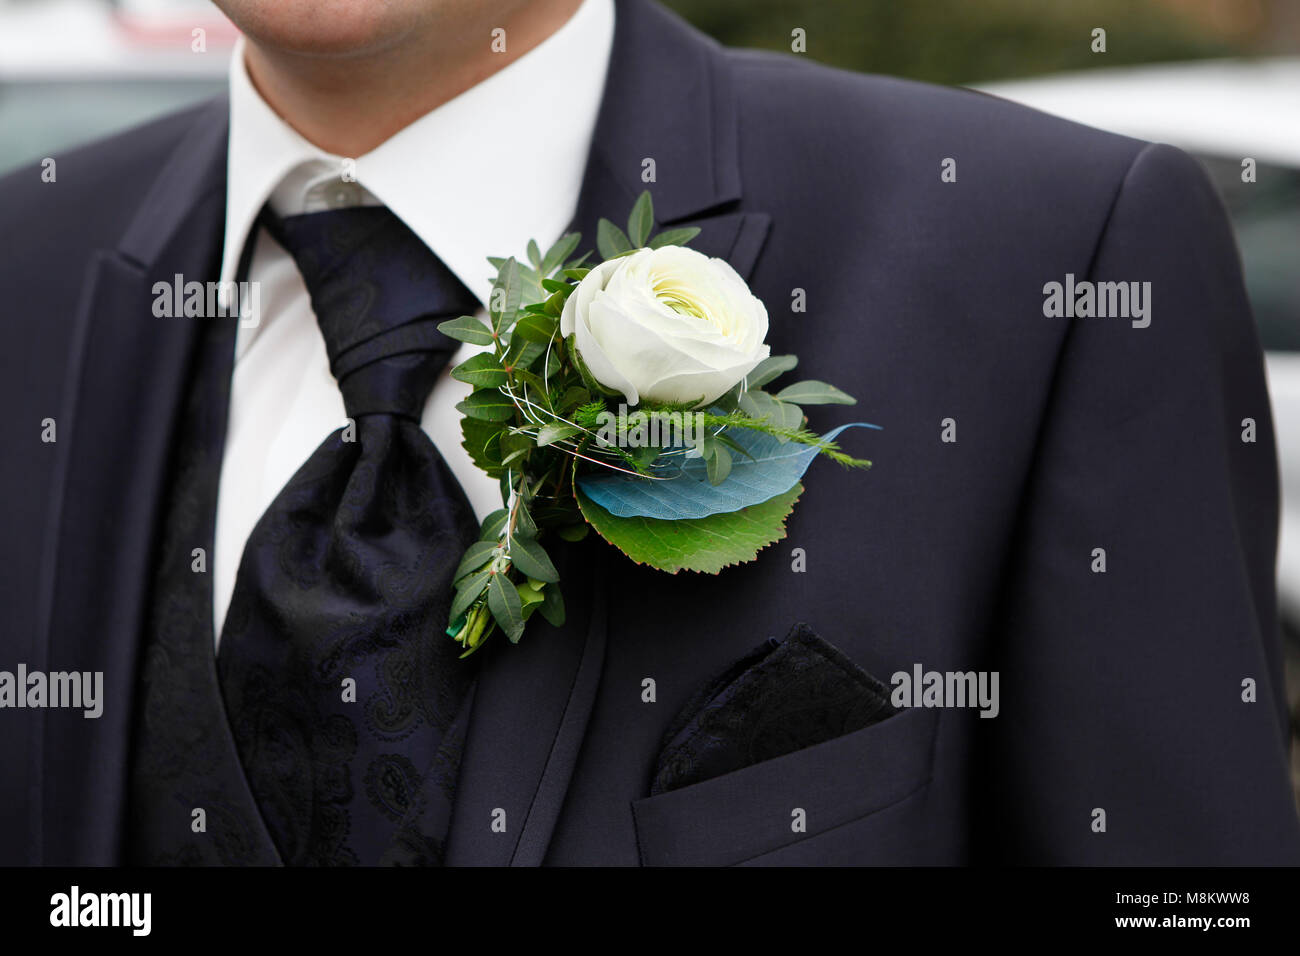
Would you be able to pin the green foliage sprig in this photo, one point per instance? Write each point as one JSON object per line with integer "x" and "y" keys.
{"x": 532, "y": 420}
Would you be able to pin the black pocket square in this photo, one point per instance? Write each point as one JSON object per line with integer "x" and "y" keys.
{"x": 784, "y": 696}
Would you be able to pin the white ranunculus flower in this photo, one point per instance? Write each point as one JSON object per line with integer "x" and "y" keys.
{"x": 667, "y": 325}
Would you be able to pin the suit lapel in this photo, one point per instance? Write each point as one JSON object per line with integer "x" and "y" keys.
{"x": 529, "y": 713}
{"x": 533, "y": 700}
{"x": 725, "y": 232}
{"x": 126, "y": 380}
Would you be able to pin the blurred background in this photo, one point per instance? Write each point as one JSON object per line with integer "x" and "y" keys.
{"x": 1218, "y": 78}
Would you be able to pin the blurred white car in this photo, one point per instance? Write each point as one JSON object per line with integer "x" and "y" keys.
{"x": 74, "y": 70}
{"x": 1224, "y": 111}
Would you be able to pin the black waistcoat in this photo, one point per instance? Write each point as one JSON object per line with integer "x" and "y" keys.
{"x": 183, "y": 755}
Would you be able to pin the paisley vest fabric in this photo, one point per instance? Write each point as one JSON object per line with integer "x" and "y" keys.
{"x": 188, "y": 802}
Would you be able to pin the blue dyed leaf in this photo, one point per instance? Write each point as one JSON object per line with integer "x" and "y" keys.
{"x": 774, "y": 469}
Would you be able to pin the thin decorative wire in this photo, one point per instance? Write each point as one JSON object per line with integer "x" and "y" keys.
{"x": 540, "y": 417}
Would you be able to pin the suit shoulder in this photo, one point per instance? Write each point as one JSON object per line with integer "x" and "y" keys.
{"x": 845, "y": 116}
{"x": 97, "y": 185}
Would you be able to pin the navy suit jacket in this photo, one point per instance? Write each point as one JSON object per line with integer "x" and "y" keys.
{"x": 1120, "y": 691}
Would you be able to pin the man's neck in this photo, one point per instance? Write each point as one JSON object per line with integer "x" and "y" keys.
{"x": 347, "y": 105}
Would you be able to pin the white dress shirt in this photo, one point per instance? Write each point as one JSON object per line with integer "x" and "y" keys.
{"x": 450, "y": 177}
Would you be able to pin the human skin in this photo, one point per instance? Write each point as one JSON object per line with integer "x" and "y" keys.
{"x": 349, "y": 74}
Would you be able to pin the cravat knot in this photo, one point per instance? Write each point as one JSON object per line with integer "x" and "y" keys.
{"x": 378, "y": 293}
{"x": 347, "y": 576}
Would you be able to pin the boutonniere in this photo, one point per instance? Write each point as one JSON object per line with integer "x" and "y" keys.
{"x": 631, "y": 398}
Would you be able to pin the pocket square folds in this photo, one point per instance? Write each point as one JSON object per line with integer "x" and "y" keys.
{"x": 784, "y": 696}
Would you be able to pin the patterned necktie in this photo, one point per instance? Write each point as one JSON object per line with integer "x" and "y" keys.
{"x": 345, "y": 697}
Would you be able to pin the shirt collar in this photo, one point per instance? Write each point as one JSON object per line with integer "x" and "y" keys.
{"x": 479, "y": 176}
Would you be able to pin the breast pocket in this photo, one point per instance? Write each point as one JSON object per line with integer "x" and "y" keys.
{"x": 740, "y": 815}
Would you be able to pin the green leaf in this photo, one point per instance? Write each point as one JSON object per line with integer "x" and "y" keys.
{"x": 553, "y": 605}
{"x": 503, "y": 303}
{"x": 514, "y": 447}
{"x": 728, "y": 401}
{"x": 466, "y": 329}
{"x": 719, "y": 464}
{"x": 530, "y": 558}
{"x": 695, "y": 544}
{"x": 674, "y": 237}
{"x": 492, "y": 447}
{"x": 477, "y": 436}
{"x": 493, "y": 524}
{"x": 555, "y": 304}
{"x": 573, "y": 396}
{"x": 760, "y": 404}
{"x": 562, "y": 249}
{"x": 573, "y": 532}
{"x": 487, "y": 404}
{"x": 791, "y": 415}
{"x": 645, "y": 454}
{"x": 768, "y": 466}
{"x": 537, "y": 387}
{"x": 640, "y": 220}
{"x": 481, "y": 371}
{"x": 554, "y": 364}
{"x": 522, "y": 353}
{"x": 770, "y": 368}
{"x": 813, "y": 392}
{"x": 503, "y": 602}
{"x": 578, "y": 274}
{"x": 763, "y": 405}
{"x": 554, "y": 513}
{"x": 556, "y": 431}
{"x": 534, "y": 254}
{"x": 468, "y": 592}
{"x": 555, "y": 285}
{"x": 529, "y": 594}
{"x": 525, "y": 527}
{"x": 476, "y": 555}
{"x": 733, "y": 444}
{"x": 611, "y": 240}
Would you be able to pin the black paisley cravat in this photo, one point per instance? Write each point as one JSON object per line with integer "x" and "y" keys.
{"x": 345, "y": 698}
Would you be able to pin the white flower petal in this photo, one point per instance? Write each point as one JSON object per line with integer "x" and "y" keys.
{"x": 668, "y": 324}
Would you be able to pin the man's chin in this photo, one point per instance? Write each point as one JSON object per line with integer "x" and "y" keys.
{"x": 334, "y": 28}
